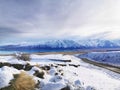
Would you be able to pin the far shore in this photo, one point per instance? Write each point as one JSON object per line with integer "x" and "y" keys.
{"x": 69, "y": 52}
{"x": 46, "y": 53}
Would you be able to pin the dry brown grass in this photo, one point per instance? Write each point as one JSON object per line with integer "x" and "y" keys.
{"x": 23, "y": 82}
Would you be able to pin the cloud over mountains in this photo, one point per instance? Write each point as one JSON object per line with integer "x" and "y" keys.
{"x": 38, "y": 19}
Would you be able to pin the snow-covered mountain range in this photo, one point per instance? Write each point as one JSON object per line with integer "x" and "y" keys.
{"x": 65, "y": 44}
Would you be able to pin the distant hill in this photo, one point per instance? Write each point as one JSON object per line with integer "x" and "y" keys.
{"x": 64, "y": 44}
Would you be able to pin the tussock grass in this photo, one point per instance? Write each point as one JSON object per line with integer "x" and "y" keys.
{"x": 22, "y": 81}
{"x": 24, "y": 57}
{"x": 39, "y": 74}
{"x": 4, "y": 64}
{"x": 28, "y": 67}
{"x": 45, "y": 67}
{"x": 25, "y": 67}
{"x": 17, "y": 66}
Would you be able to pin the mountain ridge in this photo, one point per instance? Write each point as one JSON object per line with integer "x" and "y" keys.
{"x": 65, "y": 44}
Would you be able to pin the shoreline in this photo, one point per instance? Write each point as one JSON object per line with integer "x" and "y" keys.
{"x": 46, "y": 53}
{"x": 115, "y": 69}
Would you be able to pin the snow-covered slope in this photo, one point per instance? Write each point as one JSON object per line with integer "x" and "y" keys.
{"x": 104, "y": 57}
{"x": 83, "y": 77}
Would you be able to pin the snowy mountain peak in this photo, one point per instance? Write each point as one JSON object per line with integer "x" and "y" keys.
{"x": 66, "y": 44}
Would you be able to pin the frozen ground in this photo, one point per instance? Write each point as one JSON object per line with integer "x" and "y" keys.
{"x": 62, "y": 74}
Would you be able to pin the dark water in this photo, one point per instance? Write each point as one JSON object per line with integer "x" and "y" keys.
{"x": 33, "y": 51}
{"x": 57, "y": 50}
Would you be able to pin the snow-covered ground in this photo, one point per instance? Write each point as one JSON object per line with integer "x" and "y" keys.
{"x": 112, "y": 57}
{"x": 83, "y": 77}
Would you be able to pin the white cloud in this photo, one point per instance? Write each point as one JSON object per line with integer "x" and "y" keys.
{"x": 63, "y": 18}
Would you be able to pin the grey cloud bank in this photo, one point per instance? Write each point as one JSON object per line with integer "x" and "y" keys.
{"x": 37, "y": 19}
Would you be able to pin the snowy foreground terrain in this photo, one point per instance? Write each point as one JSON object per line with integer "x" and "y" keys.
{"x": 58, "y": 72}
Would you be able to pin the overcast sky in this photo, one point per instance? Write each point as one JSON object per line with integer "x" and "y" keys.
{"x": 22, "y": 20}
